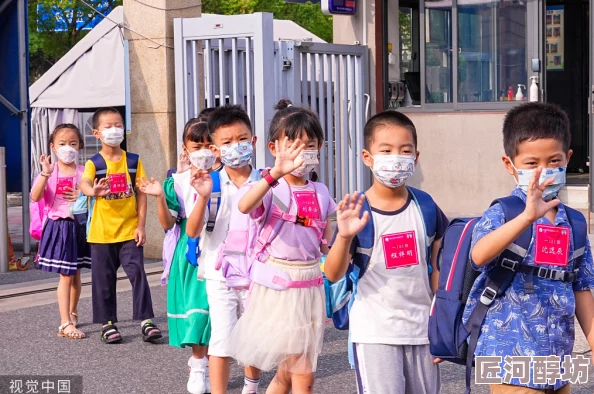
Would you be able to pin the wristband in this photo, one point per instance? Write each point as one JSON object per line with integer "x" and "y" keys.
{"x": 271, "y": 181}
{"x": 45, "y": 175}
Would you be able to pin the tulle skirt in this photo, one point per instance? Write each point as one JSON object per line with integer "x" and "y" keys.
{"x": 282, "y": 328}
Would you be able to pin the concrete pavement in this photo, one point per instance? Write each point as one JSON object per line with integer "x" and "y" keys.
{"x": 30, "y": 346}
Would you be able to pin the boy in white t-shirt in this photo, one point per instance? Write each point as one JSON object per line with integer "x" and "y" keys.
{"x": 388, "y": 321}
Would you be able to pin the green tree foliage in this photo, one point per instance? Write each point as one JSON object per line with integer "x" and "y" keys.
{"x": 55, "y": 26}
{"x": 308, "y": 15}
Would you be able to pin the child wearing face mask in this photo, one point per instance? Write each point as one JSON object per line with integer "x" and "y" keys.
{"x": 183, "y": 199}
{"x": 388, "y": 320}
{"x": 117, "y": 228}
{"x": 553, "y": 282}
{"x": 63, "y": 247}
{"x": 285, "y": 328}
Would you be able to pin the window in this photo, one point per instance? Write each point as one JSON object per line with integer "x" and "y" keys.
{"x": 458, "y": 53}
{"x": 491, "y": 49}
{"x": 438, "y": 51}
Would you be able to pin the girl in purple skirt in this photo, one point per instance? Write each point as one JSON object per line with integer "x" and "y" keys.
{"x": 63, "y": 247}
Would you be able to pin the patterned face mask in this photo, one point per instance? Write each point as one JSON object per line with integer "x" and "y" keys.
{"x": 237, "y": 155}
{"x": 393, "y": 170}
{"x": 203, "y": 159}
{"x": 310, "y": 161}
{"x": 551, "y": 191}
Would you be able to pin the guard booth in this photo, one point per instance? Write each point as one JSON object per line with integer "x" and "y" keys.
{"x": 236, "y": 60}
{"x": 457, "y": 66}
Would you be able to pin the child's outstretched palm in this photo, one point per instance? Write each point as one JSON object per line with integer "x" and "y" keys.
{"x": 348, "y": 215}
{"x": 152, "y": 188}
{"x": 288, "y": 157}
{"x": 202, "y": 183}
{"x": 536, "y": 207}
{"x": 101, "y": 187}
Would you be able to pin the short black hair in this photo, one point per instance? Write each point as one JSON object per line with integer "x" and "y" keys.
{"x": 206, "y": 112}
{"x": 292, "y": 121}
{"x": 196, "y": 130}
{"x": 387, "y": 118}
{"x": 534, "y": 121}
{"x": 226, "y": 116}
{"x": 68, "y": 126}
{"x": 102, "y": 111}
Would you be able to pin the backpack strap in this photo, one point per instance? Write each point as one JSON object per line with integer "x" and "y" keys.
{"x": 428, "y": 210}
{"x": 579, "y": 229}
{"x": 132, "y": 164}
{"x": 215, "y": 201}
{"x": 100, "y": 166}
{"x": 499, "y": 278}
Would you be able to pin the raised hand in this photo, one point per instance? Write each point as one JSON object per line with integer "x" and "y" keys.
{"x": 183, "y": 163}
{"x": 46, "y": 165}
{"x": 536, "y": 207}
{"x": 288, "y": 156}
{"x": 348, "y": 215}
{"x": 101, "y": 187}
{"x": 202, "y": 183}
{"x": 152, "y": 188}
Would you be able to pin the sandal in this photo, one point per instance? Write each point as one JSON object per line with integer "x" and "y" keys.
{"x": 75, "y": 320}
{"x": 74, "y": 334}
{"x": 150, "y": 332}
{"x": 110, "y": 334}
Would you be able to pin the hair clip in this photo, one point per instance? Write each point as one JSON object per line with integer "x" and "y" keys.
{"x": 289, "y": 105}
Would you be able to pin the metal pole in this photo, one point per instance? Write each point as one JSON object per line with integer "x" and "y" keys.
{"x": 3, "y": 213}
{"x": 24, "y": 104}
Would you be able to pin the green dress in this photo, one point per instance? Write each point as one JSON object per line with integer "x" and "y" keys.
{"x": 187, "y": 303}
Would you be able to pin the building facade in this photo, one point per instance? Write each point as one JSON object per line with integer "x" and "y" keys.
{"x": 462, "y": 64}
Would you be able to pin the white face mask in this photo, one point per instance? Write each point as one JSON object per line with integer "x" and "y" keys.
{"x": 203, "y": 159}
{"x": 113, "y": 136}
{"x": 67, "y": 154}
{"x": 393, "y": 170}
{"x": 310, "y": 161}
{"x": 551, "y": 191}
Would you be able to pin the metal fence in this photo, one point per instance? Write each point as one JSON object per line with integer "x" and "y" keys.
{"x": 234, "y": 59}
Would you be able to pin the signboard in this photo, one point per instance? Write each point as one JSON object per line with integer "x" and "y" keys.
{"x": 339, "y": 7}
{"x": 555, "y": 38}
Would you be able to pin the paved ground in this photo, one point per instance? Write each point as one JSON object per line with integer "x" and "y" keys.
{"x": 31, "y": 347}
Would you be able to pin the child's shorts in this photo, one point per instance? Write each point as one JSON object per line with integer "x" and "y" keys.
{"x": 395, "y": 369}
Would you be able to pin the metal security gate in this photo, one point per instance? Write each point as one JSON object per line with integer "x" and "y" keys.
{"x": 234, "y": 59}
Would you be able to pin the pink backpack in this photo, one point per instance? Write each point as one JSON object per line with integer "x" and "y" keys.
{"x": 243, "y": 255}
{"x": 40, "y": 209}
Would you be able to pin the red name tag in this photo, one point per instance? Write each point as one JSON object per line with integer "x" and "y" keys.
{"x": 400, "y": 250}
{"x": 307, "y": 204}
{"x": 118, "y": 183}
{"x": 63, "y": 184}
{"x": 552, "y": 245}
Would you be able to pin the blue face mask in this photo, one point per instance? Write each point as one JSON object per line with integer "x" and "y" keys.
{"x": 551, "y": 191}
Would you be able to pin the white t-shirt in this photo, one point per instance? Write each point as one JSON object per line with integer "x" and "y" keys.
{"x": 392, "y": 304}
{"x": 210, "y": 242}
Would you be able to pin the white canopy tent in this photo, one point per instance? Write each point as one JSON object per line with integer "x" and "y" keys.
{"x": 92, "y": 75}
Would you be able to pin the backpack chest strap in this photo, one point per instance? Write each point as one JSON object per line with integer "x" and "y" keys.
{"x": 305, "y": 221}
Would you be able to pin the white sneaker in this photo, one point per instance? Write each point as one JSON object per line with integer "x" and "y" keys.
{"x": 196, "y": 382}
{"x": 207, "y": 375}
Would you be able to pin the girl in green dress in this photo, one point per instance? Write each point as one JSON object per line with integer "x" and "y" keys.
{"x": 182, "y": 201}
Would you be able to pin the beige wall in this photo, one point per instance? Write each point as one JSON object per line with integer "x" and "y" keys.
{"x": 152, "y": 89}
{"x": 460, "y": 163}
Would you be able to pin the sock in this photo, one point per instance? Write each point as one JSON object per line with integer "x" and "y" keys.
{"x": 145, "y": 322}
{"x": 107, "y": 324}
{"x": 250, "y": 385}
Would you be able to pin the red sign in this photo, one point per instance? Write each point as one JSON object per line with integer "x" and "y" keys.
{"x": 400, "y": 250}
{"x": 552, "y": 245}
{"x": 307, "y": 204}
{"x": 64, "y": 184}
{"x": 118, "y": 183}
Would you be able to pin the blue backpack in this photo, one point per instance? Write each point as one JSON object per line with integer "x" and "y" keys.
{"x": 447, "y": 334}
{"x": 340, "y": 295}
{"x": 82, "y": 208}
{"x": 193, "y": 252}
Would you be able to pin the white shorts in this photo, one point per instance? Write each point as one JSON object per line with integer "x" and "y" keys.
{"x": 226, "y": 306}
